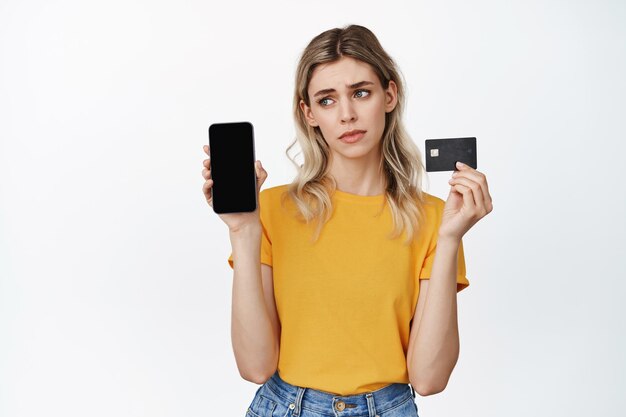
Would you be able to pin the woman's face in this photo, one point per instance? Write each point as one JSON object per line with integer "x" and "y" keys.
{"x": 346, "y": 95}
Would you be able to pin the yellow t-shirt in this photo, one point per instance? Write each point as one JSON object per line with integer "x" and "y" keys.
{"x": 346, "y": 302}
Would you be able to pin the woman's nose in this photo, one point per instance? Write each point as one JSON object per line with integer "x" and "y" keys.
{"x": 348, "y": 114}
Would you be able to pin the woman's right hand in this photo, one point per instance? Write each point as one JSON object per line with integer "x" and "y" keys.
{"x": 234, "y": 221}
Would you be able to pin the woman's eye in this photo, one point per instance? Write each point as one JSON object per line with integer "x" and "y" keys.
{"x": 327, "y": 101}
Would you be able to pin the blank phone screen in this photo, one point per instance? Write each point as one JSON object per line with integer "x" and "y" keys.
{"x": 232, "y": 167}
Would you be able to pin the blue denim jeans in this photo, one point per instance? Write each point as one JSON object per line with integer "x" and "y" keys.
{"x": 277, "y": 398}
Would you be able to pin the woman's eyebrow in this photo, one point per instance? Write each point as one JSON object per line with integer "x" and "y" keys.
{"x": 352, "y": 86}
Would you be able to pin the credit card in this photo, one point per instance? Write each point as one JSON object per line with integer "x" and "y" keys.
{"x": 442, "y": 154}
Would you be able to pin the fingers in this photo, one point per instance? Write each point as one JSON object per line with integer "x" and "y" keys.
{"x": 206, "y": 162}
{"x": 206, "y": 189}
{"x": 261, "y": 173}
{"x": 259, "y": 168}
{"x": 471, "y": 173}
{"x": 206, "y": 171}
{"x": 473, "y": 189}
{"x": 466, "y": 171}
{"x": 468, "y": 197}
{"x": 206, "y": 174}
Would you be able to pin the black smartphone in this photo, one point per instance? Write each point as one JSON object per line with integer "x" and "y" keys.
{"x": 232, "y": 167}
{"x": 443, "y": 154}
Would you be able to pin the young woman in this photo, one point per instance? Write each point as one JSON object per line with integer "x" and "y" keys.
{"x": 345, "y": 281}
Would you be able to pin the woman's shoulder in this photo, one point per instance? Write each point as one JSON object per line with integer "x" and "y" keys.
{"x": 273, "y": 196}
{"x": 432, "y": 202}
{"x": 275, "y": 189}
{"x": 433, "y": 209}
{"x": 273, "y": 192}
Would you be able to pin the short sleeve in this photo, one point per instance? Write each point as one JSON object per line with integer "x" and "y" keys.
{"x": 266, "y": 242}
{"x": 461, "y": 279}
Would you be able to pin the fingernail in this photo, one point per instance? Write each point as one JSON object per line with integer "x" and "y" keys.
{"x": 460, "y": 164}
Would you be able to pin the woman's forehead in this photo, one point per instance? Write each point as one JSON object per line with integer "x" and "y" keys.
{"x": 340, "y": 74}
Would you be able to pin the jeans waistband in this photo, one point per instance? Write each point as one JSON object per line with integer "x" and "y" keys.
{"x": 368, "y": 403}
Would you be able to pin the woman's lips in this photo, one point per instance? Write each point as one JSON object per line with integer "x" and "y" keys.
{"x": 353, "y": 138}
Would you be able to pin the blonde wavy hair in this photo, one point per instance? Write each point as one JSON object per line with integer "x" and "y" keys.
{"x": 401, "y": 164}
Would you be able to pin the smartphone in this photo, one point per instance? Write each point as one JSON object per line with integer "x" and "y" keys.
{"x": 443, "y": 154}
{"x": 231, "y": 149}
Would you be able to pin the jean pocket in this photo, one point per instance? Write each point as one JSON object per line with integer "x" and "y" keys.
{"x": 405, "y": 409}
{"x": 261, "y": 407}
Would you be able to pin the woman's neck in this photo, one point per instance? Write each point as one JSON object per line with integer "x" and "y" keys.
{"x": 356, "y": 176}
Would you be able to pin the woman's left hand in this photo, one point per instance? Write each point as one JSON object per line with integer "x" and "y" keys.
{"x": 468, "y": 202}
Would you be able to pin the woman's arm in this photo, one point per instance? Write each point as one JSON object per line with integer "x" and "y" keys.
{"x": 434, "y": 340}
{"x": 253, "y": 333}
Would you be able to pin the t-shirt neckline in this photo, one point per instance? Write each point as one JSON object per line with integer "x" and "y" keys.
{"x": 375, "y": 199}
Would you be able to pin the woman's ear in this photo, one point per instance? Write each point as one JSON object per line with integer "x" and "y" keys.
{"x": 391, "y": 96}
{"x": 308, "y": 114}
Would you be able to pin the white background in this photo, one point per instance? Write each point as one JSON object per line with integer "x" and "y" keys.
{"x": 115, "y": 293}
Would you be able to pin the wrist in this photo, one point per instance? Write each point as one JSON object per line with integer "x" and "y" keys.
{"x": 448, "y": 240}
{"x": 246, "y": 231}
